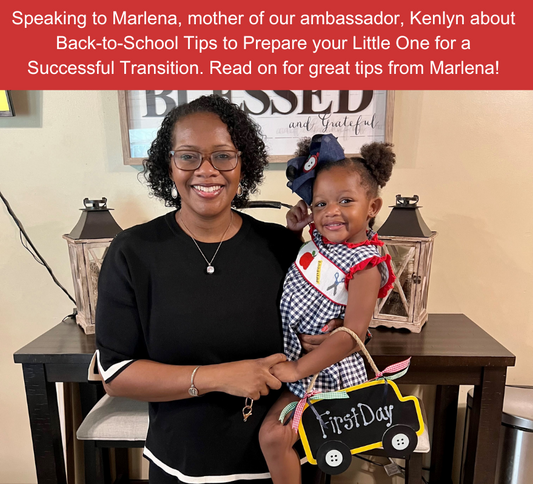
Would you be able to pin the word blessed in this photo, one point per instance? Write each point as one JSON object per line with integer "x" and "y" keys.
{"x": 300, "y": 102}
{"x": 363, "y": 416}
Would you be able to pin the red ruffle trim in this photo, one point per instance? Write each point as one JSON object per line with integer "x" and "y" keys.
{"x": 374, "y": 261}
{"x": 373, "y": 241}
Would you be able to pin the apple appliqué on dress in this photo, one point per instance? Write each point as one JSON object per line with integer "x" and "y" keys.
{"x": 306, "y": 259}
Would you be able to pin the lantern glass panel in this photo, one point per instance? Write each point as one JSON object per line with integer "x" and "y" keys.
{"x": 404, "y": 261}
{"x": 94, "y": 254}
{"x": 426, "y": 255}
{"x": 77, "y": 266}
{"x": 405, "y": 306}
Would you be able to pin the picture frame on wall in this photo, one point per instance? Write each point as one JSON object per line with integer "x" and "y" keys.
{"x": 6, "y": 104}
{"x": 355, "y": 117}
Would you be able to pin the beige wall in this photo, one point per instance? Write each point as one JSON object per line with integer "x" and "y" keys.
{"x": 468, "y": 155}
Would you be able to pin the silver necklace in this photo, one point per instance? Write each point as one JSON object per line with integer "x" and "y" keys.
{"x": 210, "y": 269}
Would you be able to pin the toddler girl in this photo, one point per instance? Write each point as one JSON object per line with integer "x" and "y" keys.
{"x": 339, "y": 273}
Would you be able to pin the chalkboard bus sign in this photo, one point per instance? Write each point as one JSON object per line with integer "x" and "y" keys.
{"x": 375, "y": 415}
{"x": 354, "y": 117}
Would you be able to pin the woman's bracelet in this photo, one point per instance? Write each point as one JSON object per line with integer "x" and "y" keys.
{"x": 193, "y": 391}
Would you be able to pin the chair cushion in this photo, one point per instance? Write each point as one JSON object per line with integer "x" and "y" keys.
{"x": 422, "y": 446}
{"x": 423, "y": 441}
{"x": 115, "y": 418}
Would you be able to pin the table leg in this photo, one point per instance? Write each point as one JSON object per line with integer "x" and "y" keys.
{"x": 413, "y": 469}
{"x": 45, "y": 427}
{"x": 485, "y": 426}
{"x": 90, "y": 393}
{"x": 96, "y": 459}
{"x": 443, "y": 439}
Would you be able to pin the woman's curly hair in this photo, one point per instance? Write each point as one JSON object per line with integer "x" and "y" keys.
{"x": 245, "y": 134}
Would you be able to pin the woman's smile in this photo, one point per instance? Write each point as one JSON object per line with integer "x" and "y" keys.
{"x": 208, "y": 191}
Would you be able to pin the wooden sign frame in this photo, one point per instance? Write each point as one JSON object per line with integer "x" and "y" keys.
{"x": 284, "y": 116}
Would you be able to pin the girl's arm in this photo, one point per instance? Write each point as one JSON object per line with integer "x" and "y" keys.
{"x": 363, "y": 290}
{"x": 157, "y": 382}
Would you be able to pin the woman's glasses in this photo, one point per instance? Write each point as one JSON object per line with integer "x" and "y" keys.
{"x": 188, "y": 160}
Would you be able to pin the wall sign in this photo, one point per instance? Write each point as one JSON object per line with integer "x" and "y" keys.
{"x": 355, "y": 117}
{"x": 6, "y": 106}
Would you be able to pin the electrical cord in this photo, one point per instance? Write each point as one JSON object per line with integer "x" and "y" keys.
{"x": 25, "y": 240}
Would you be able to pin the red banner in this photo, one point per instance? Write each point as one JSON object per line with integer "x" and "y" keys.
{"x": 268, "y": 45}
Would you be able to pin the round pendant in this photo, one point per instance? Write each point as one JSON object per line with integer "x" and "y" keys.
{"x": 210, "y": 269}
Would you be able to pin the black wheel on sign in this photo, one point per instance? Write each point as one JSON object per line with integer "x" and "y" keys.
{"x": 399, "y": 441}
{"x": 334, "y": 457}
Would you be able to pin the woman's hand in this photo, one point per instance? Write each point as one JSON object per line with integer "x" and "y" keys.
{"x": 298, "y": 217}
{"x": 311, "y": 342}
{"x": 287, "y": 371}
{"x": 151, "y": 381}
{"x": 247, "y": 378}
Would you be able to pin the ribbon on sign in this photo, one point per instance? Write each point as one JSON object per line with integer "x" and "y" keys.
{"x": 395, "y": 371}
{"x": 298, "y": 406}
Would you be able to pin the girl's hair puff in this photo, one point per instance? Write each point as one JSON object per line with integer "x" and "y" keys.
{"x": 245, "y": 134}
{"x": 379, "y": 159}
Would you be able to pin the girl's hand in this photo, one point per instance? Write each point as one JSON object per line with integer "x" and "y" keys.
{"x": 312, "y": 342}
{"x": 286, "y": 371}
{"x": 298, "y": 217}
{"x": 247, "y": 378}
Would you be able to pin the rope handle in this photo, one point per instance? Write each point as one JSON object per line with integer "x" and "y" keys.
{"x": 363, "y": 350}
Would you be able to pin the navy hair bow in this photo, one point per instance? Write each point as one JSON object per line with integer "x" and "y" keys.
{"x": 301, "y": 170}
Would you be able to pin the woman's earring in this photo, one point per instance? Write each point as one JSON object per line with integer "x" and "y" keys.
{"x": 174, "y": 191}
{"x": 239, "y": 190}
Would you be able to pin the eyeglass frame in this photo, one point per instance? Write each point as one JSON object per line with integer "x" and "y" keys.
{"x": 205, "y": 157}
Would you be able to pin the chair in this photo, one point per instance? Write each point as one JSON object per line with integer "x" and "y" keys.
{"x": 114, "y": 422}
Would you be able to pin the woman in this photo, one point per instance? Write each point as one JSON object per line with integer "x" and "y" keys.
{"x": 189, "y": 302}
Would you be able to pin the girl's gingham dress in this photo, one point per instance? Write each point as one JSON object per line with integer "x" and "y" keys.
{"x": 316, "y": 290}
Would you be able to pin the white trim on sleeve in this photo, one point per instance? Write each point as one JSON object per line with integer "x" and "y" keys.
{"x": 113, "y": 369}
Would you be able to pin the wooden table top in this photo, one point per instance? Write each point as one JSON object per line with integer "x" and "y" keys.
{"x": 446, "y": 340}
{"x": 64, "y": 343}
{"x": 450, "y": 337}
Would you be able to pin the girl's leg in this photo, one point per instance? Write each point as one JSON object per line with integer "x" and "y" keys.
{"x": 277, "y": 442}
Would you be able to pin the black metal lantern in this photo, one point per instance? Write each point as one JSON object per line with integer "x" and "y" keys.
{"x": 409, "y": 241}
{"x": 87, "y": 245}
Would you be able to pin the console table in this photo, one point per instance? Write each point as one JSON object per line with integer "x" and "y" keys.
{"x": 450, "y": 351}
